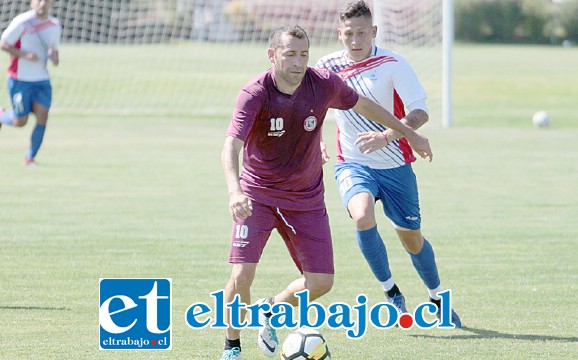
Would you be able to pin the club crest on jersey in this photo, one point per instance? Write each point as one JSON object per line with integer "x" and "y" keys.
{"x": 310, "y": 123}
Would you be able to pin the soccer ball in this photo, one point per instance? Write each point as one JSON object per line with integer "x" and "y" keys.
{"x": 305, "y": 344}
{"x": 541, "y": 119}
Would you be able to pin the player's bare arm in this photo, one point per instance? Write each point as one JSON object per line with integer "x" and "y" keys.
{"x": 324, "y": 154}
{"x": 374, "y": 140}
{"x": 239, "y": 204}
{"x": 54, "y": 56}
{"x": 17, "y": 52}
{"x": 374, "y": 111}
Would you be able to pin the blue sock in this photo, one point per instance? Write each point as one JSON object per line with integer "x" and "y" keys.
{"x": 36, "y": 141}
{"x": 425, "y": 264}
{"x": 373, "y": 249}
{"x": 7, "y": 117}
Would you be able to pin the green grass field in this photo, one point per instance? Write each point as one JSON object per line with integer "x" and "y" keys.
{"x": 143, "y": 196}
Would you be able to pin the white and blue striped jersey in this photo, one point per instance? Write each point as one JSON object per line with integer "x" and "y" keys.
{"x": 30, "y": 33}
{"x": 387, "y": 78}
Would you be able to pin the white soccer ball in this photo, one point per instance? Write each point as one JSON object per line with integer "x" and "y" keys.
{"x": 541, "y": 119}
{"x": 305, "y": 344}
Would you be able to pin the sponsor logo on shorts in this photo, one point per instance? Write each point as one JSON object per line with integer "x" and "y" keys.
{"x": 240, "y": 243}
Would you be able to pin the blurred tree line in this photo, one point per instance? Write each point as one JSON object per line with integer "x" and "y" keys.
{"x": 517, "y": 21}
{"x": 492, "y": 21}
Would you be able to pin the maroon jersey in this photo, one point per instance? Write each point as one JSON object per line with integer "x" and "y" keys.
{"x": 282, "y": 164}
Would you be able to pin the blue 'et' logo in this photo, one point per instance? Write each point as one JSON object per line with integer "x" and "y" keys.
{"x": 135, "y": 314}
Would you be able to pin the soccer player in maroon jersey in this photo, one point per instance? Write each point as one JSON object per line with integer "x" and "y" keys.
{"x": 277, "y": 126}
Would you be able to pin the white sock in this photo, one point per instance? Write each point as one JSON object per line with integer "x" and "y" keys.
{"x": 433, "y": 293}
{"x": 387, "y": 284}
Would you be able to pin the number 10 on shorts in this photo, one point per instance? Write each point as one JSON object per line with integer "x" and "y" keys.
{"x": 241, "y": 234}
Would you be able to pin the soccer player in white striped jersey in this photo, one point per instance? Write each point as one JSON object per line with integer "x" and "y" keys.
{"x": 31, "y": 39}
{"x": 373, "y": 162}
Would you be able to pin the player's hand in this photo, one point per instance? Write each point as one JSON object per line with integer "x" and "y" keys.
{"x": 392, "y": 135}
{"x": 324, "y": 155}
{"x": 240, "y": 206}
{"x": 31, "y": 56}
{"x": 420, "y": 144}
{"x": 371, "y": 141}
{"x": 53, "y": 56}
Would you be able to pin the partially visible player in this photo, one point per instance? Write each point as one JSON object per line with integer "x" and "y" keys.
{"x": 374, "y": 162}
{"x": 277, "y": 125}
{"x": 31, "y": 39}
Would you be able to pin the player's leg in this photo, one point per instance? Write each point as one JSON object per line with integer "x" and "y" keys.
{"x": 358, "y": 190}
{"x": 308, "y": 239}
{"x": 361, "y": 208}
{"x": 318, "y": 285}
{"x": 248, "y": 239}
{"x": 399, "y": 196}
{"x": 37, "y": 136}
{"x": 7, "y": 117}
{"x": 398, "y": 189}
{"x": 239, "y": 283}
{"x": 20, "y": 97}
{"x": 423, "y": 258}
{"x": 42, "y": 98}
{"x": 401, "y": 205}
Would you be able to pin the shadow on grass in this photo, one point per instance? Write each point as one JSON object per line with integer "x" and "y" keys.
{"x": 491, "y": 334}
{"x": 32, "y": 308}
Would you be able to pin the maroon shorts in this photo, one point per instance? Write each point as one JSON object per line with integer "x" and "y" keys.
{"x": 306, "y": 235}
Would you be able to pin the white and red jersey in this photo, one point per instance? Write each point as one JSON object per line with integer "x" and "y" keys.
{"x": 29, "y": 33}
{"x": 387, "y": 78}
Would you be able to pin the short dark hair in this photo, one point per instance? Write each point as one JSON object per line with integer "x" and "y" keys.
{"x": 354, "y": 9}
{"x": 294, "y": 30}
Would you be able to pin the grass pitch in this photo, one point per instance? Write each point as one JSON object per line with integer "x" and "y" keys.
{"x": 143, "y": 196}
{"x": 146, "y": 199}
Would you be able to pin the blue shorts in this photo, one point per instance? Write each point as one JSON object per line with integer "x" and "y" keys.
{"x": 396, "y": 188}
{"x": 25, "y": 93}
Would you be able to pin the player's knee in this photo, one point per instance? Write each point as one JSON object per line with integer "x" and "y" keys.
{"x": 362, "y": 211}
{"x": 320, "y": 288}
{"x": 241, "y": 280}
{"x": 412, "y": 241}
{"x": 363, "y": 220}
{"x": 413, "y": 247}
{"x": 20, "y": 122}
